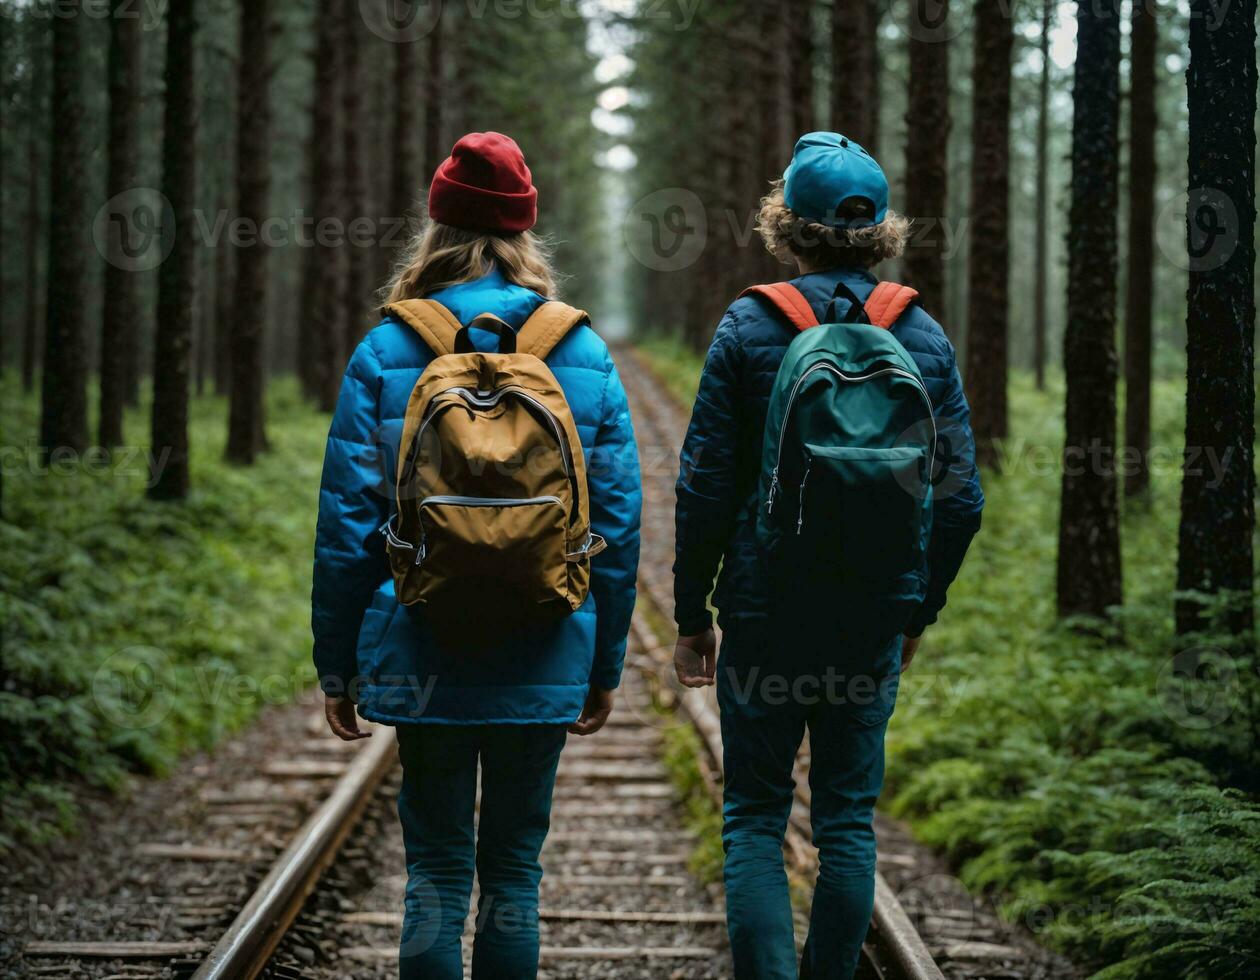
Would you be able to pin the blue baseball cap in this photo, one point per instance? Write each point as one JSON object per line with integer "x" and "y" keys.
{"x": 828, "y": 170}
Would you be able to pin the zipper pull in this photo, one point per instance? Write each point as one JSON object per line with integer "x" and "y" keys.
{"x": 800, "y": 514}
{"x": 774, "y": 489}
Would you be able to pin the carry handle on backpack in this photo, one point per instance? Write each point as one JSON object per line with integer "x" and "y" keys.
{"x": 888, "y": 300}
{"x": 490, "y": 322}
{"x": 439, "y": 328}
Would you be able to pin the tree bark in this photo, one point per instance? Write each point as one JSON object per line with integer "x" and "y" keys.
{"x": 121, "y": 310}
{"x": 1140, "y": 282}
{"x": 435, "y": 147}
{"x": 358, "y": 244}
{"x": 988, "y": 267}
{"x": 1218, "y": 504}
{"x": 63, "y": 396}
{"x": 1089, "y": 573}
{"x": 169, "y": 477}
{"x": 927, "y": 147}
{"x": 801, "y": 62}
{"x": 1041, "y": 259}
{"x": 223, "y": 306}
{"x": 246, "y": 426}
{"x": 34, "y": 211}
{"x": 325, "y": 262}
{"x": 854, "y": 71}
{"x": 405, "y": 179}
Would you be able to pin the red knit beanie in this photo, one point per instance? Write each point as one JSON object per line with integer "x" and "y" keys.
{"x": 484, "y": 185}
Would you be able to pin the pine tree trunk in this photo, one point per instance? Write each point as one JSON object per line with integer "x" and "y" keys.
{"x": 801, "y": 62}
{"x": 121, "y": 309}
{"x": 854, "y": 71}
{"x": 224, "y": 291}
{"x": 1140, "y": 282}
{"x": 358, "y": 246}
{"x": 63, "y": 396}
{"x": 927, "y": 147}
{"x": 435, "y": 147}
{"x": 325, "y": 262}
{"x": 774, "y": 108}
{"x": 246, "y": 432}
{"x": 1089, "y": 575}
{"x": 34, "y": 312}
{"x": 177, "y": 277}
{"x": 1041, "y": 259}
{"x": 405, "y": 177}
{"x": 990, "y": 249}
{"x": 1218, "y": 484}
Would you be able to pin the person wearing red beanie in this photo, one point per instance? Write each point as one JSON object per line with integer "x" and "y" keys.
{"x": 484, "y": 185}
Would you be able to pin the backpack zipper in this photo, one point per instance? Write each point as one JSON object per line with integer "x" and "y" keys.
{"x": 459, "y": 501}
{"x": 852, "y": 379}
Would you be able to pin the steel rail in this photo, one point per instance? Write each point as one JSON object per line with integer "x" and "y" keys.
{"x": 249, "y": 941}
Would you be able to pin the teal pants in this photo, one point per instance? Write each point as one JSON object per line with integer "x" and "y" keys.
{"x": 436, "y": 806}
{"x": 771, "y": 688}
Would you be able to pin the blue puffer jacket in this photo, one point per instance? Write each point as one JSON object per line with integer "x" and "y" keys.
{"x": 721, "y": 457}
{"x": 385, "y": 653}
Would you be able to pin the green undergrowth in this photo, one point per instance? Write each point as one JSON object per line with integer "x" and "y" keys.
{"x": 703, "y": 816}
{"x": 137, "y": 631}
{"x": 1101, "y": 790}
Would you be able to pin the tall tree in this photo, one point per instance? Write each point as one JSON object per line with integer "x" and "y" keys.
{"x": 246, "y": 432}
{"x": 404, "y": 177}
{"x": 1140, "y": 279}
{"x": 1089, "y": 577}
{"x": 36, "y": 123}
{"x": 177, "y": 277}
{"x": 1218, "y": 510}
{"x": 801, "y": 65}
{"x": 435, "y": 147}
{"x": 63, "y": 410}
{"x": 927, "y": 148}
{"x": 987, "y": 270}
{"x": 121, "y": 308}
{"x": 359, "y": 252}
{"x": 1041, "y": 254}
{"x": 323, "y": 295}
{"x": 855, "y": 71}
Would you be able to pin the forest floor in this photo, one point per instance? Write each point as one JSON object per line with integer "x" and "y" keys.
{"x": 1101, "y": 789}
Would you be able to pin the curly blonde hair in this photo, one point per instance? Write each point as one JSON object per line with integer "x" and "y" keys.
{"x": 441, "y": 255}
{"x": 789, "y": 236}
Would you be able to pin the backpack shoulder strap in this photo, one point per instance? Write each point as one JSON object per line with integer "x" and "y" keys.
{"x": 435, "y": 324}
{"x": 547, "y": 326}
{"x": 788, "y": 300}
{"x": 888, "y": 300}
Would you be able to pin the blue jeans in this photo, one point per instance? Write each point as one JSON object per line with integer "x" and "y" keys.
{"x": 436, "y": 806}
{"x": 842, "y": 688}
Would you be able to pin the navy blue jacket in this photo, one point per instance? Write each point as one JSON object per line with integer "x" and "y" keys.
{"x": 386, "y": 657}
{"x": 720, "y": 465}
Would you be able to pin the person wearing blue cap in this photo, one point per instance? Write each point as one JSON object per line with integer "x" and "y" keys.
{"x": 832, "y": 666}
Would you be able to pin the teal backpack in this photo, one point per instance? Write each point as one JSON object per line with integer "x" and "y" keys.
{"x": 850, "y": 447}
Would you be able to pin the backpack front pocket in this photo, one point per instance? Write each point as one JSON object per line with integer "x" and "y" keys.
{"x": 859, "y": 511}
{"x": 493, "y": 549}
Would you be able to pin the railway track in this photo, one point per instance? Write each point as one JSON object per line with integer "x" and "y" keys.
{"x": 261, "y": 895}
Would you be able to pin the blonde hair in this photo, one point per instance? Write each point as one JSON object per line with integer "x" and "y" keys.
{"x": 442, "y": 255}
{"x": 788, "y": 235}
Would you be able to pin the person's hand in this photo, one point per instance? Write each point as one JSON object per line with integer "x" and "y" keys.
{"x": 695, "y": 659}
{"x": 342, "y": 720}
{"x": 599, "y": 705}
{"x": 909, "y": 647}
